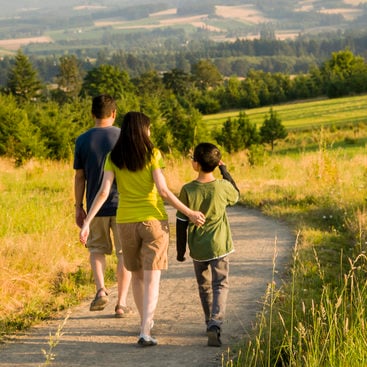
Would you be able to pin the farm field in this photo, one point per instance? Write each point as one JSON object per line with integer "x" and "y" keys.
{"x": 303, "y": 115}
{"x": 224, "y": 25}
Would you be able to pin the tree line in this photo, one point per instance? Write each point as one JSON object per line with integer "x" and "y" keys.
{"x": 42, "y": 120}
{"x": 170, "y": 48}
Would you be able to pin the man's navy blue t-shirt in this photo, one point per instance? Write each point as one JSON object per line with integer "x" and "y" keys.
{"x": 91, "y": 149}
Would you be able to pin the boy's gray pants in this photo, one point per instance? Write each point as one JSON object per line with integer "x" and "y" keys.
{"x": 212, "y": 279}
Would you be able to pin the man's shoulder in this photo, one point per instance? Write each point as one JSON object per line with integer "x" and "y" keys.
{"x": 94, "y": 131}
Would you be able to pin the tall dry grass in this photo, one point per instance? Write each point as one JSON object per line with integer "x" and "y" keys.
{"x": 320, "y": 193}
{"x": 39, "y": 252}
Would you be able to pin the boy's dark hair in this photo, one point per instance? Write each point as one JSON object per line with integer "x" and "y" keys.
{"x": 208, "y": 156}
{"x": 103, "y": 106}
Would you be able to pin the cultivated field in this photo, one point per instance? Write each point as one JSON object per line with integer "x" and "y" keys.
{"x": 229, "y": 19}
{"x": 15, "y": 43}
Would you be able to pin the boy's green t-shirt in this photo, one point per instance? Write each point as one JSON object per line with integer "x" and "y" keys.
{"x": 139, "y": 199}
{"x": 214, "y": 238}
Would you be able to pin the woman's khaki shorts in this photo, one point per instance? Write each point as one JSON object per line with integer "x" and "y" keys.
{"x": 145, "y": 244}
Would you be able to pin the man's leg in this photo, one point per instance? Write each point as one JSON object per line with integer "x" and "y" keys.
{"x": 122, "y": 274}
{"x": 123, "y": 283}
{"x": 98, "y": 265}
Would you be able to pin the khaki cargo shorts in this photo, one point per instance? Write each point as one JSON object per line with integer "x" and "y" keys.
{"x": 145, "y": 244}
{"x": 103, "y": 236}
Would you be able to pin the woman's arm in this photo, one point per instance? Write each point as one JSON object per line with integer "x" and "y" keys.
{"x": 196, "y": 217}
{"x": 98, "y": 201}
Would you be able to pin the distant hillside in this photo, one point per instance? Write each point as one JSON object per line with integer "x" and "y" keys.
{"x": 81, "y": 24}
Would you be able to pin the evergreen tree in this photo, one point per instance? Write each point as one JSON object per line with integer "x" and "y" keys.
{"x": 237, "y": 134}
{"x": 70, "y": 77}
{"x": 272, "y": 129}
{"x": 23, "y": 80}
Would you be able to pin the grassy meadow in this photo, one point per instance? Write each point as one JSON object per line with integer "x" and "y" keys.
{"x": 304, "y": 115}
{"x": 316, "y": 181}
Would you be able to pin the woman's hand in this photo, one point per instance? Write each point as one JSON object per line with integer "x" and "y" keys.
{"x": 84, "y": 233}
{"x": 198, "y": 218}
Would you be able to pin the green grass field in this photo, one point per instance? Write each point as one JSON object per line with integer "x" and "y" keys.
{"x": 303, "y": 115}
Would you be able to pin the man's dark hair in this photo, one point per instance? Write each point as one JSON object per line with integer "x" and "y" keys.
{"x": 208, "y": 156}
{"x": 103, "y": 106}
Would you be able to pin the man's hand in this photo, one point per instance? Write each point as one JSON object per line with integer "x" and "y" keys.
{"x": 80, "y": 215}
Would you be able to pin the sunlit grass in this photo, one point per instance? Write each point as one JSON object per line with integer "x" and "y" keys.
{"x": 43, "y": 266}
{"x": 316, "y": 318}
{"x": 303, "y": 115}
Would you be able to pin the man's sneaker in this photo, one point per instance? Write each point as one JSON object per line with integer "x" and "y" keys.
{"x": 213, "y": 333}
{"x": 147, "y": 341}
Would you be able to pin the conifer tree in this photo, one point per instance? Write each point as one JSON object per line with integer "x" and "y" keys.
{"x": 23, "y": 80}
{"x": 272, "y": 129}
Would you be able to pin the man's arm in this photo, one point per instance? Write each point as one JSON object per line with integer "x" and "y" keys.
{"x": 181, "y": 238}
{"x": 79, "y": 189}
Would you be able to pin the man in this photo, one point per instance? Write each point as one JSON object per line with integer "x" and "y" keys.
{"x": 91, "y": 149}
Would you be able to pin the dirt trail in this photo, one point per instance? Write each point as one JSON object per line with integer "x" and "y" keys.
{"x": 98, "y": 339}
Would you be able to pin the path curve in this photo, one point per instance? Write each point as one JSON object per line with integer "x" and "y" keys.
{"x": 98, "y": 339}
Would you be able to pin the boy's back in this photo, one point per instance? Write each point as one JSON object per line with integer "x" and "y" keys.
{"x": 213, "y": 239}
{"x": 210, "y": 243}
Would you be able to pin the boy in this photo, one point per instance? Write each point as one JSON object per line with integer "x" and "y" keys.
{"x": 211, "y": 243}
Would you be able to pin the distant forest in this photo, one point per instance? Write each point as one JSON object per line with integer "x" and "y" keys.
{"x": 232, "y": 59}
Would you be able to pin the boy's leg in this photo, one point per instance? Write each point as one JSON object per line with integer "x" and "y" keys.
{"x": 204, "y": 284}
{"x": 219, "y": 268}
{"x": 220, "y": 286}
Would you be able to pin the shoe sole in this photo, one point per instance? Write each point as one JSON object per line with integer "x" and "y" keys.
{"x": 146, "y": 343}
{"x": 213, "y": 338}
{"x": 99, "y": 304}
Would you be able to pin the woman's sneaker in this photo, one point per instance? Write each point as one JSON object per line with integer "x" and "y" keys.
{"x": 147, "y": 341}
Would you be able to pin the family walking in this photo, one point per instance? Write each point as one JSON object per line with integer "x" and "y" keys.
{"x": 120, "y": 172}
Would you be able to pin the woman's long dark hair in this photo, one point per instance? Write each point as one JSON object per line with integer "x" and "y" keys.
{"x": 133, "y": 148}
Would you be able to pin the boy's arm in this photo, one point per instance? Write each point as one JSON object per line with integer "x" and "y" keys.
{"x": 227, "y": 176}
{"x": 181, "y": 238}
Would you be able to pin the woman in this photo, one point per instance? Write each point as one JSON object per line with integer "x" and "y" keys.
{"x": 141, "y": 217}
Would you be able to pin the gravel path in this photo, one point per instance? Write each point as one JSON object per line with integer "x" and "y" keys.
{"x": 98, "y": 339}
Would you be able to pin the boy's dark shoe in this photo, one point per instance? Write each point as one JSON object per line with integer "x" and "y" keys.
{"x": 213, "y": 333}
